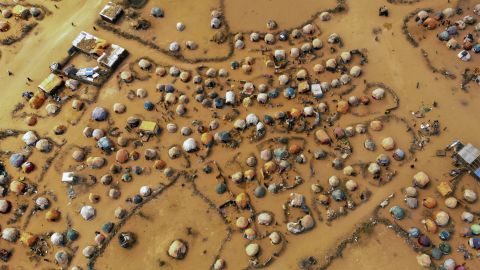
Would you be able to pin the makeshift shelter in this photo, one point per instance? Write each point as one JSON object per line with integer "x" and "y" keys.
{"x": 89, "y": 73}
{"x": 87, "y": 212}
{"x": 51, "y": 83}
{"x": 157, "y": 12}
{"x": 89, "y": 43}
{"x": 7, "y": 13}
{"x": 4, "y": 26}
{"x": 149, "y": 128}
{"x": 126, "y": 76}
{"x": 452, "y": 30}
{"x": 316, "y": 90}
{"x": 16, "y": 160}
{"x": 469, "y": 156}
{"x": 215, "y": 23}
{"x": 109, "y": 55}
{"x": 464, "y": 56}
{"x": 190, "y": 145}
{"x": 355, "y": 71}
{"x": 452, "y": 44}
{"x": 144, "y": 64}
{"x": 20, "y": 11}
{"x": 422, "y": 15}
{"x": 72, "y": 84}
{"x": 469, "y": 153}
{"x": 325, "y": 16}
{"x": 70, "y": 70}
{"x": 112, "y": 56}
{"x": 443, "y": 36}
{"x": 438, "y": 16}
{"x": 111, "y": 12}
{"x": 476, "y": 48}
{"x": 106, "y": 144}
{"x": 10, "y": 234}
{"x": 37, "y": 100}
{"x": 230, "y": 97}
{"x": 30, "y": 138}
{"x": 331, "y": 65}
{"x": 467, "y": 45}
{"x": 35, "y": 11}
{"x": 68, "y": 177}
{"x": 55, "y": 67}
{"x": 383, "y": 11}
{"x": 99, "y": 114}
{"x": 448, "y": 12}
{"x": 430, "y": 23}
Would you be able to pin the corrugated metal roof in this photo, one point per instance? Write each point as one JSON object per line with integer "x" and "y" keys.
{"x": 111, "y": 11}
{"x": 469, "y": 153}
{"x": 111, "y": 56}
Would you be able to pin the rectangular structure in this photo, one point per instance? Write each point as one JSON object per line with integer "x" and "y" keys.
{"x": 149, "y": 127}
{"x": 111, "y": 12}
{"x": 89, "y": 43}
{"x": 469, "y": 153}
{"x": 51, "y": 83}
{"x": 112, "y": 56}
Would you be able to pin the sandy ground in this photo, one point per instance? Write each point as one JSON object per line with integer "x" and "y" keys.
{"x": 391, "y": 60}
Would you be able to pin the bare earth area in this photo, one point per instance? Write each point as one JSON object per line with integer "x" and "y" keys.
{"x": 227, "y": 134}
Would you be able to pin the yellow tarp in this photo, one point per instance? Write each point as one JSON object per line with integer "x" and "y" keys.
{"x": 28, "y": 239}
{"x": 90, "y": 44}
{"x": 148, "y": 126}
{"x": 444, "y": 188}
{"x": 100, "y": 46}
{"x": 19, "y": 10}
{"x": 50, "y": 83}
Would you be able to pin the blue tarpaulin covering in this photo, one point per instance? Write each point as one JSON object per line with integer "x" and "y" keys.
{"x": 477, "y": 173}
